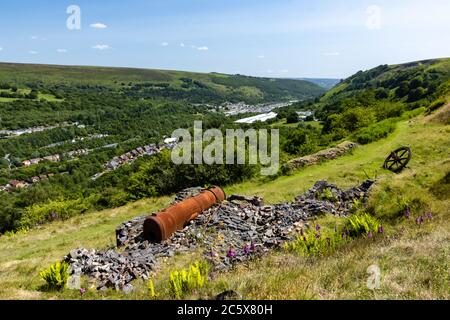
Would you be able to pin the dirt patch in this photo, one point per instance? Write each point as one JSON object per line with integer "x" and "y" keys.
{"x": 21, "y": 294}
{"x": 442, "y": 115}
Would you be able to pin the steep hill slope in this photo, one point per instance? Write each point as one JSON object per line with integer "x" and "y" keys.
{"x": 408, "y": 83}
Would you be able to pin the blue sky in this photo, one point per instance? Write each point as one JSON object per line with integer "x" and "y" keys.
{"x": 282, "y": 38}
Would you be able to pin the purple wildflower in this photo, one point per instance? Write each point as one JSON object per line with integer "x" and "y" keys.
{"x": 317, "y": 235}
{"x": 344, "y": 234}
{"x": 407, "y": 213}
{"x": 82, "y": 291}
{"x": 429, "y": 215}
{"x": 247, "y": 250}
{"x": 212, "y": 254}
{"x": 304, "y": 239}
{"x": 253, "y": 246}
{"x": 318, "y": 227}
{"x": 420, "y": 220}
{"x": 370, "y": 235}
{"x": 231, "y": 253}
{"x": 380, "y": 229}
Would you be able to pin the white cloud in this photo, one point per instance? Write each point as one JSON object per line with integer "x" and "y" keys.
{"x": 98, "y": 25}
{"x": 203, "y": 48}
{"x": 261, "y": 56}
{"x": 61, "y": 50}
{"x": 182, "y": 45}
{"x": 101, "y": 47}
{"x": 164, "y": 44}
{"x": 38, "y": 38}
{"x": 33, "y": 52}
{"x": 331, "y": 54}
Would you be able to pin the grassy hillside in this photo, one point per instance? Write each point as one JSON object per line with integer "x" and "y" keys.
{"x": 414, "y": 260}
{"x": 195, "y": 87}
{"x": 408, "y": 83}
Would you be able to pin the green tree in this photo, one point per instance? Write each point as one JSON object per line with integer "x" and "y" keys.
{"x": 292, "y": 117}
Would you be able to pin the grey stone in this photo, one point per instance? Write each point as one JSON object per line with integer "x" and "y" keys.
{"x": 74, "y": 282}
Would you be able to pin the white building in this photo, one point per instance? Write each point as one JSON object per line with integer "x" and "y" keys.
{"x": 261, "y": 117}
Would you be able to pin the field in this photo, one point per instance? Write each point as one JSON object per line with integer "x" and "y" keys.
{"x": 414, "y": 259}
{"x": 43, "y": 96}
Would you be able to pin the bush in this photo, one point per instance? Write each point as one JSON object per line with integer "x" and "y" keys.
{"x": 314, "y": 243}
{"x": 385, "y": 110}
{"x": 56, "y": 275}
{"x": 292, "y": 117}
{"x": 416, "y": 94}
{"x": 382, "y": 93}
{"x": 374, "y": 132}
{"x": 361, "y": 224}
{"x": 53, "y": 210}
{"x": 350, "y": 120}
{"x": 185, "y": 281}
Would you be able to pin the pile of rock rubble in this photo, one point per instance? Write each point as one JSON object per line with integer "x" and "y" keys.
{"x": 237, "y": 230}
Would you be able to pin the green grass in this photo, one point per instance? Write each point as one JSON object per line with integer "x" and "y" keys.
{"x": 44, "y": 96}
{"x": 282, "y": 123}
{"x": 414, "y": 260}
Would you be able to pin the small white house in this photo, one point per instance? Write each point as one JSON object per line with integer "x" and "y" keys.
{"x": 170, "y": 140}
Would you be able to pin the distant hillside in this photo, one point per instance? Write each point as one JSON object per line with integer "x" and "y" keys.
{"x": 413, "y": 83}
{"x": 322, "y": 82}
{"x": 147, "y": 83}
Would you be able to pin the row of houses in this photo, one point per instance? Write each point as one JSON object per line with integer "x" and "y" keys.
{"x": 303, "y": 115}
{"x": 132, "y": 155}
{"x": 129, "y": 157}
{"x": 52, "y": 158}
{"x": 17, "y": 184}
{"x": 55, "y": 157}
{"x": 70, "y": 154}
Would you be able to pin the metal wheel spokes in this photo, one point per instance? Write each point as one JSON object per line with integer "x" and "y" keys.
{"x": 398, "y": 159}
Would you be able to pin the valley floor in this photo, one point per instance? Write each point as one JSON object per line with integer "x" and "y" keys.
{"x": 414, "y": 260}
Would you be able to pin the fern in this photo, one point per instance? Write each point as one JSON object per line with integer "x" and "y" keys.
{"x": 361, "y": 224}
{"x": 56, "y": 275}
{"x": 151, "y": 289}
{"x": 313, "y": 244}
{"x": 185, "y": 281}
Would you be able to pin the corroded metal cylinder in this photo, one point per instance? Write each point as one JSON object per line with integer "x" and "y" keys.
{"x": 162, "y": 225}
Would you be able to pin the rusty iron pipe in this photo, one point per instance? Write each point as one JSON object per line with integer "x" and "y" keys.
{"x": 161, "y": 226}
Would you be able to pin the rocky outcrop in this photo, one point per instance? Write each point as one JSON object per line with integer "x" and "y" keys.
{"x": 327, "y": 154}
{"x": 237, "y": 230}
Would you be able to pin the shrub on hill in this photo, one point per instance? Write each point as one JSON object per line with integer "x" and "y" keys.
{"x": 374, "y": 132}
